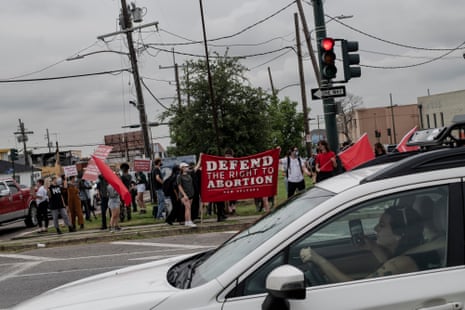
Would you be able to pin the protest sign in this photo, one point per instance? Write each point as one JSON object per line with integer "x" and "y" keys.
{"x": 236, "y": 178}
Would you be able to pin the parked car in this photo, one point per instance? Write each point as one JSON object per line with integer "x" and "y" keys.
{"x": 17, "y": 203}
{"x": 331, "y": 247}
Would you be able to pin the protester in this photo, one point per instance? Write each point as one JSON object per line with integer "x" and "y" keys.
{"x": 171, "y": 192}
{"x": 158, "y": 184}
{"x": 84, "y": 187}
{"x": 379, "y": 149}
{"x": 57, "y": 206}
{"x": 102, "y": 191}
{"x": 295, "y": 170}
{"x": 114, "y": 202}
{"x": 133, "y": 192}
{"x": 42, "y": 206}
{"x": 186, "y": 191}
{"x": 74, "y": 203}
{"x": 325, "y": 162}
{"x": 126, "y": 178}
{"x": 141, "y": 184}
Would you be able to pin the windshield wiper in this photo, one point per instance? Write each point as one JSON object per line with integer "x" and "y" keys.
{"x": 191, "y": 271}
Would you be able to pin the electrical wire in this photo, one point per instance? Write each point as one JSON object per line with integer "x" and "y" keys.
{"x": 152, "y": 94}
{"x": 117, "y": 71}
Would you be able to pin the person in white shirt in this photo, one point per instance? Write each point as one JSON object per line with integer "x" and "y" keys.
{"x": 295, "y": 170}
{"x": 42, "y": 206}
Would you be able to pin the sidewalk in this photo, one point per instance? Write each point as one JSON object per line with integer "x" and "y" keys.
{"x": 32, "y": 240}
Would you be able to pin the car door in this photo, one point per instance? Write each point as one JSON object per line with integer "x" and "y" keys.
{"x": 436, "y": 283}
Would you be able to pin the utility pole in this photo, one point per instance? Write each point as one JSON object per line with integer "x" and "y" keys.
{"x": 210, "y": 82}
{"x": 48, "y": 141}
{"x": 302, "y": 87}
{"x": 22, "y": 137}
{"x": 329, "y": 106}
{"x": 127, "y": 27}
{"x": 309, "y": 42}
{"x": 273, "y": 91}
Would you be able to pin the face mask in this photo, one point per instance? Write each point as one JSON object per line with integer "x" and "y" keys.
{"x": 296, "y": 153}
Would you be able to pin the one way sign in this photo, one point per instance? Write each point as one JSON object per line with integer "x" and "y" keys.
{"x": 330, "y": 92}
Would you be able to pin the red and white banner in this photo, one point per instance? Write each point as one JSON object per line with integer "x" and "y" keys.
{"x": 144, "y": 165}
{"x": 359, "y": 153}
{"x": 92, "y": 172}
{"x": 402, "y": 146}
{"x": 236, "y": 178}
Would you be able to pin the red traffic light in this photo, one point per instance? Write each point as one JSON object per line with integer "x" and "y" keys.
{"x": 327, "y": 44}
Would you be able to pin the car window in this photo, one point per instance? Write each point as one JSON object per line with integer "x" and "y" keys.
{"x": 12, "y": 187}
{"x": 353, "y": 245}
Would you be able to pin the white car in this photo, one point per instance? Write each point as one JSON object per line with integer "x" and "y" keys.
{"x": 383, "y": 237}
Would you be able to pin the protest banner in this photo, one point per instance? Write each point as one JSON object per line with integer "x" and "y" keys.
{"x": 236, "y": 178}
{"x": 92, "y": 172}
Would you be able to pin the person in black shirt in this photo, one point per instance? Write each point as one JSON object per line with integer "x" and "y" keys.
{"x": 57, "y": 206}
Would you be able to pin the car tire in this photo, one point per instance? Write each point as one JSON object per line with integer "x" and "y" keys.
{"x": 31, "y": 219}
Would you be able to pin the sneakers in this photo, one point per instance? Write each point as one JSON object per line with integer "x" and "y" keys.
{"x": 189, "y": 224}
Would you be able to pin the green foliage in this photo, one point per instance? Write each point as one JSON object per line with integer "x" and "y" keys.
{"x": 248, "y": 119}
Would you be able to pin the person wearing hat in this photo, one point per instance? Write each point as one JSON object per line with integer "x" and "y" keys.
{"x": 186, "y": 191}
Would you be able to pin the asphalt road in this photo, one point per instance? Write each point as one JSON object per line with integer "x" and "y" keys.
{"x": 29, "y": 273}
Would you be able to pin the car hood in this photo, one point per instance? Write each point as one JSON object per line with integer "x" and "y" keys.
{"x": 138, "y": 287}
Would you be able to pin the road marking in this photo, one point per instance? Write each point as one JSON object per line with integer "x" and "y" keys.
{"x": 157, "y": 257}
{"x": 164, "y": 245}
{"x": 29, "y": 257}
{"x": 16, "y": 269}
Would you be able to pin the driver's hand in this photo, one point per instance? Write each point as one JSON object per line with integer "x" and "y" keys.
{"x": 306, "y": 254}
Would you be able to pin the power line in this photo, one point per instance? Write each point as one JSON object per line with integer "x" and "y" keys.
{"x": 65, "y": 76}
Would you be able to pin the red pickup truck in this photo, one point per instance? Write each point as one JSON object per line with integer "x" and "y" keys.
{"x": 17, "y": 203}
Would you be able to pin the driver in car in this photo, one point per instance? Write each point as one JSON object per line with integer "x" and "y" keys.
{"x": 398, "y": 230}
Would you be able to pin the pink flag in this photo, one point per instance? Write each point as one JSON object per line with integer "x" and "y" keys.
{"x": 357, "y": 154}
{"x": 402, "y": 146}
{"x": 113, "y": 180}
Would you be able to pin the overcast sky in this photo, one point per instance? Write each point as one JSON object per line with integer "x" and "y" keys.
{"x": 407, "y": 48}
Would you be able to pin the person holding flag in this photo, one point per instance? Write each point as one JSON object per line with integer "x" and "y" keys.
{"x": 325, "y": 161}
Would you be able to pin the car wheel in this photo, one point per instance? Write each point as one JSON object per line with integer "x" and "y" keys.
{"x": 31, "y": 219}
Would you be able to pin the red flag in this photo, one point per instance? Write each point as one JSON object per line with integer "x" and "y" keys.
{"x": 113, "y": 180}
{"x": 357, "y": 154}
{"x": 402, "y": 146}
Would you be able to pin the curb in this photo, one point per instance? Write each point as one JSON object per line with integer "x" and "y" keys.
{"x": 130, "y": 232}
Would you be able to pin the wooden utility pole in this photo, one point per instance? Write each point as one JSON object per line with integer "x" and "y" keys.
{"x": 309, "y": 42}
{"x": 303, "y": 92}
{"x": 210, "y": 83}
{"x": 273, "y": 91}
{"x": 127, "y": 24}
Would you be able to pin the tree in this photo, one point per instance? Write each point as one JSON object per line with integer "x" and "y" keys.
{"x": 347, "y": 113}
{"x": 249, "y": 120}
{"x": 286, "y": 124}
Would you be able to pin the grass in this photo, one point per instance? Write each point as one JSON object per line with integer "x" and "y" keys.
{"x": 243, "y": 208}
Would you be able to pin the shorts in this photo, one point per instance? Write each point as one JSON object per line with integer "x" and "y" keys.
{"x": 113, "y": 204}
{"x": 140, "y": 188}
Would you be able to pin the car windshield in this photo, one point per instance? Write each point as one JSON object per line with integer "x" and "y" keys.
{"x": 242, "y": 244}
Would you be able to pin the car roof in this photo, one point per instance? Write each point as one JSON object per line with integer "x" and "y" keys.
{"x": 423, "y": 162}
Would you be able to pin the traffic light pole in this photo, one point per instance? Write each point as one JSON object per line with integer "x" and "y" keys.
{"x": 329, "y": 106}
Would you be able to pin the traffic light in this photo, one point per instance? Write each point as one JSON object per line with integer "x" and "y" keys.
{"x": 14, "y": 154}
{"x": 377, "y": 133}
{"x": 328, "y": 57}
{"x": 350, "y": 59}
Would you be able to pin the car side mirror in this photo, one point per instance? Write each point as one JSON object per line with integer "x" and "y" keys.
{"x": 283, "y": 283}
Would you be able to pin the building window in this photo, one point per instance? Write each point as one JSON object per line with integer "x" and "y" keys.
{"x": 428, "y": 125}
{"x": 435, "y": 120}
{"x": 442, "y": 119}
